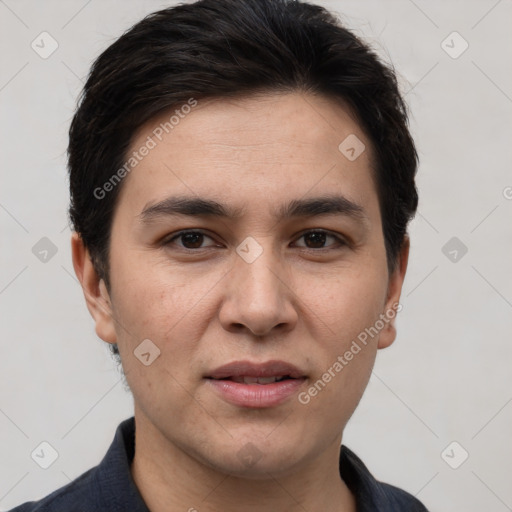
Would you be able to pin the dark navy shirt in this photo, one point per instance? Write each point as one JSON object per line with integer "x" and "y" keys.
{"x": 109, "y": 487}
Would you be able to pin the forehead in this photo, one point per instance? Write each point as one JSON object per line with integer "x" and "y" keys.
{"x": 251, "y": 150}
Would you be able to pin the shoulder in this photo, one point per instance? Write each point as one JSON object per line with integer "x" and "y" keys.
{"x": 371, "y": 494}
{"x": 77, "y": 496}
{"x": 398, "y": 499}
{"x": 107, "y": 486}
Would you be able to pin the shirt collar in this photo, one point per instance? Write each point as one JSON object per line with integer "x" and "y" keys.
{"x": 114, "y": 478}
{"x": 119, "y": 492}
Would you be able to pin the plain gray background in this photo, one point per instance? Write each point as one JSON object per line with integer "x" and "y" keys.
{"x": 446, "y": 379}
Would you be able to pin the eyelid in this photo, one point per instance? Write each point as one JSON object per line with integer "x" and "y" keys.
{"x": 171, "y": 238}
{"x": 341, "y": 240}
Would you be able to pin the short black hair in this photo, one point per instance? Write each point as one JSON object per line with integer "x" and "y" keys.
{"x": 232, "y": 48}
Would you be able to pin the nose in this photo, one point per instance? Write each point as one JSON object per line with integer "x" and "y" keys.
{"x": 259, "y": 298}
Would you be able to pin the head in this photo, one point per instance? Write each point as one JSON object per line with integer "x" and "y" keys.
{"x": 279, "y": 141}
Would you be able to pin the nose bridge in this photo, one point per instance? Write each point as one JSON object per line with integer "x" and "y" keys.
{"x": 257, "y": 270}
{"x": 258, "y": 298}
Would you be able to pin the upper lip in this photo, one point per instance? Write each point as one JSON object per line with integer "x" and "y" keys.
{"x": 252, "y": 369}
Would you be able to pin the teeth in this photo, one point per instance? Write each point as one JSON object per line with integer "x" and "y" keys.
{"x": 265, "y": 380}
{"x": 251, "y": 380}
{"x": 257, "y": 380}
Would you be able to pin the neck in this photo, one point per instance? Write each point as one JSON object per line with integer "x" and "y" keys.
{"x": 170, "y": 480}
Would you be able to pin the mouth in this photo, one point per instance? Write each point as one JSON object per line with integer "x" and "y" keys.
{"x": 246, "y": 379}
{"x": 256, "y": 385}
{"x": 248, "y": 370}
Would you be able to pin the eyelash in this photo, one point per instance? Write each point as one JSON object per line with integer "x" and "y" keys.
{"x": 340, "y": 242}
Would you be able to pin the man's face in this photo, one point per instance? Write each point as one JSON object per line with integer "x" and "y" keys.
{"x": 272, "y": 291}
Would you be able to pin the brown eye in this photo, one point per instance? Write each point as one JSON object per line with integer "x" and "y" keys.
{"x": 317, "y": 240}
{"x": 192, "y": 240}
{"x": 189, "y": 240}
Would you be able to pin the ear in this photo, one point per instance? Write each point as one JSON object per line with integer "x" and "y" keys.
{"x": 95, "y": 291}
{"x": 392, "y": 306}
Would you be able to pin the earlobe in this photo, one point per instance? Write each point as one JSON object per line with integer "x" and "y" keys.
{"x": 95, "y": 292}
{"x": 392, "y": 306}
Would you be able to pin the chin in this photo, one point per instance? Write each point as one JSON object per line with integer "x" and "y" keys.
{"x": 256, "y": 460}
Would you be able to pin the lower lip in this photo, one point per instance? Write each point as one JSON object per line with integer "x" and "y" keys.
{"x": 256, "y": 395}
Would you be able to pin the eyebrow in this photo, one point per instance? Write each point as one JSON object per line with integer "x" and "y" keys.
{"x": 201, "y": 207}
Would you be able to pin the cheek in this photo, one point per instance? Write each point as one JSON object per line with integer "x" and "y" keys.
{"x": 346, "y": 308}
{"x": 346, "y": 303}
{"x": 345, "y": 351}
{"x": 155, "y": 297}
{"x": 167, "y": 310}
{"x": 169, "y": 307}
